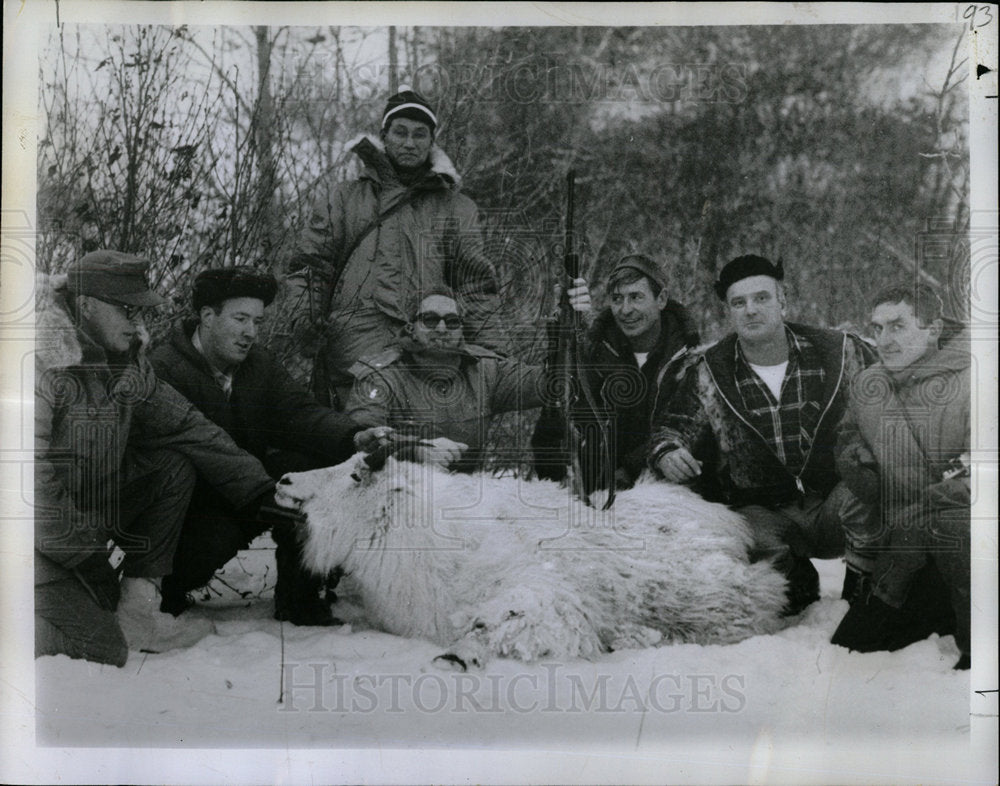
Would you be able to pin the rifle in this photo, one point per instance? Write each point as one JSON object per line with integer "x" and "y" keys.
{"x": 584, "y": 419}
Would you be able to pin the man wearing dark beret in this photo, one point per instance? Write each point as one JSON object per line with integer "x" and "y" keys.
{"x": 403, "y": 226}
{"x": 214, "y": 360}
{"x": 116, "y": 454}
{"x": 753, "y": 423}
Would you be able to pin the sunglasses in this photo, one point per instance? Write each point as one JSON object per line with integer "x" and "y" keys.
{"x": 431, "y": 320}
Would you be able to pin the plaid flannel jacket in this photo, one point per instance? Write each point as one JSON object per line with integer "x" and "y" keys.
{"x": 786, "y": 425}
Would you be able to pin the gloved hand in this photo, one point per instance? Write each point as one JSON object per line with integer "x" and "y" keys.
{"x": 441, "y": 451}
{"x": 951, "y": 493}
{"x": 272, "y": 515}
{"x": 101, "y": 574}
{"x": 859, "y": 469}
{"x": 371, "y": 439}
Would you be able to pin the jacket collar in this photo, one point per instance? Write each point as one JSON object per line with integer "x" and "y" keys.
{"x": 953, "y": 356}
{"x": 371, "y": 151}
{"x": 59, "y": 343}
{"x": 673, "y": 319}
{"x": 829, "y": 344}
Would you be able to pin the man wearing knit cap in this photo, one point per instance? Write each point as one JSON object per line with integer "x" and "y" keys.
{"x": 215, "y": 361}
{"x": 627, "y": 351}
{"x": 116, "y": 452}
{"x": 402, "y": 227}
{"x": 753, "y": 423}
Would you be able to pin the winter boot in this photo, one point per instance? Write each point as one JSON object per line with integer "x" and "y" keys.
{"x": 175, "y": 600}
{"x": 871, "y": 625}
{"x": 857, "y": 585}
{"x": 298, "y": 595}
{"x": 803, "y": 585}
{"x": 146, "y": 628}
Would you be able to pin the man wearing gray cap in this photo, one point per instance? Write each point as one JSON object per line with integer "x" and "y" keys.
{"x": 628, "y": 349}
{"x": 116, "y": 453}
{"x": 754, "y": 420}
{"x": 402, "y": 227}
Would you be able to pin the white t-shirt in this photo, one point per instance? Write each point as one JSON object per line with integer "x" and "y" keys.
{"x": 640, "y": 358}
{"x": 773, "y": 376}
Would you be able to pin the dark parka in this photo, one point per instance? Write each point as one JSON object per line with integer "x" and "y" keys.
{"x": 88, "y": 412}
{"x": 399, "y": 239}
{"x": 630, "y": 392}
{"x": 705, "y": 415}
{"x": 266, "y": 409}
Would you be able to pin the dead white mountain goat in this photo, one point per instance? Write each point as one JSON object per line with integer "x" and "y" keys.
{"x": 488, "y": 566}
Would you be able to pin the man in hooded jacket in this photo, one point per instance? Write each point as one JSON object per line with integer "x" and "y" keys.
{"x": 116, "y": 455}
{"x": 904, "y": 449}
{"x": 402, "y": 227}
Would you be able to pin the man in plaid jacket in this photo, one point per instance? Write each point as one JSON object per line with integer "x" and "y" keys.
{"x": 753, "y": 424}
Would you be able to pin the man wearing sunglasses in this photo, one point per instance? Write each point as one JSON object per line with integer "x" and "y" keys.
{"x": 116, "y": 455}
{"x": 434, "y": 385}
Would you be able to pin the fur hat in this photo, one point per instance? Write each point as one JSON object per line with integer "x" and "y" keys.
{"x": 409, "y": 104}
{"x": 745, "y": 267}
{"x": 214, "y": 287}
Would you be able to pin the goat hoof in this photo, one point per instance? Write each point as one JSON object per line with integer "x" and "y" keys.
{"x": 450, "y": 662}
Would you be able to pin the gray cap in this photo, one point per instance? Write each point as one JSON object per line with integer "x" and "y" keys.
{"x": 112, "y": 276}
{"x": 645, "y": 265}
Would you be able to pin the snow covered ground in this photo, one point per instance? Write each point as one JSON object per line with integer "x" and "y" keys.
{"x": 741, "y": 710}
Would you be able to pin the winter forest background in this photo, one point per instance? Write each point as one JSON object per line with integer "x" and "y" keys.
{"x": 842, "y": 149}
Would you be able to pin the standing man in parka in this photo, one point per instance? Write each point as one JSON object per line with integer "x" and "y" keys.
{"x": 214, "y": 360}
{"x": 627, "y": 351}
{"x": 402, "y": 227}
{"x": 753, "y": 424}
{"x": 116, "y": 453}
{"x": 904, "y": 450}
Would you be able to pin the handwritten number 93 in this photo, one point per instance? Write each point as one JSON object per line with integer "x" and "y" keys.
{"x": 982, "y": 12}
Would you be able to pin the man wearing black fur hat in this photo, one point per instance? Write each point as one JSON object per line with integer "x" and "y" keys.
{"x": 753, "y": 423}
{"x": 214, "y": 361}
{"x": 402, "y": 227}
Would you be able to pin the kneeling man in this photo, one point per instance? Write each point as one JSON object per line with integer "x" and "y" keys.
{"x": 214, "y": 360}
{"x": 904, "y": 450}
{"x": 753, "y": 424}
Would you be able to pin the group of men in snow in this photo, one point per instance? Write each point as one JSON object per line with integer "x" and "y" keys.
{"x": 153, "y": 471}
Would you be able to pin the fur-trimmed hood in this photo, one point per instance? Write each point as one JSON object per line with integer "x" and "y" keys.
{"x": 58, "y": 342}
{"x": 371, "y": 151}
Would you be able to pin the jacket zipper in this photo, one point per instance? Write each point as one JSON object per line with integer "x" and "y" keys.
{"x": 829, "y": 403}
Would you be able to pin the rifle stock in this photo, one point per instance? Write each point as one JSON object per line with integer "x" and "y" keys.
{"x": 574, "y": 387}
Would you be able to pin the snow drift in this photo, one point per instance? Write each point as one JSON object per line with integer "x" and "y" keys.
{"x": 489, "y": 566}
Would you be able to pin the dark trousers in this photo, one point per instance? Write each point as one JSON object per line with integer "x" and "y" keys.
{"x": 214, "y": 531}
{"x": 919, "y": 535}
{"x": 812, "y": 528}
{"x": 155, "y": 490}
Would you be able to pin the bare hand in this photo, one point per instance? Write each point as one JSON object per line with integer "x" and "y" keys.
{"x": 579, "y": 296}
{"x": 679, "y": 465}
{"x": 441, "y": 451}
{"x": 373, "y": 438}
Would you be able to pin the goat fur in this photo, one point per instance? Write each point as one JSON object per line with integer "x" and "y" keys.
{"x": 489, "y": 566}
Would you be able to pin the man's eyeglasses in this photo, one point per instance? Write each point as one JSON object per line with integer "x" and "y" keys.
{"x": 130, "y": 311}
{"x": 431, "y": 320}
